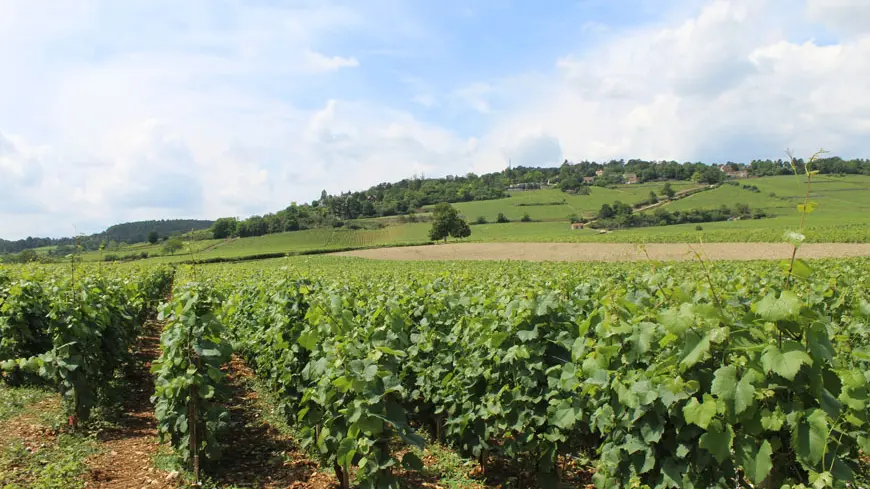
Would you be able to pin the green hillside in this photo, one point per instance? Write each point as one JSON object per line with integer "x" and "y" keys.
{"x": 841, "y": 200}
{"x": 555, "y": 205}
{"x": 841, "y": 216}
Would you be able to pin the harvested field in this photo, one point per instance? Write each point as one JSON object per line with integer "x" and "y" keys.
{"x": 610, "y": 251}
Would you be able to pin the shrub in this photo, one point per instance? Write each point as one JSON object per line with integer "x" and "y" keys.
{"x": 502, "y": 218}
{"x": 481, "y": 220}
{"x": 699, "y": 228}
{"x": 526, "y": 218}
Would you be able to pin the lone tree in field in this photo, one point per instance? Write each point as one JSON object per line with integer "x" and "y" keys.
{"x": 668, "y": 191}
{"x": 172, "y": 245}
{"x": 446, "y": 222}
{"x": 153, "y": 237}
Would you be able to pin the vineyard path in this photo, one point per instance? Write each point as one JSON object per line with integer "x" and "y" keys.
{"x": 129, "y": 447}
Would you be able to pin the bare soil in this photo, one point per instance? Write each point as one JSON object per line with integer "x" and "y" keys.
{"x": 128, "y": 448}
{"x": 258, "y": 454}
{"x": 29, "y": 428}
{"x": 610, "y": 252}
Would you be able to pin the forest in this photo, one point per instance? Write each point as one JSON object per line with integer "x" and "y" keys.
{"x": 128, "y": 232}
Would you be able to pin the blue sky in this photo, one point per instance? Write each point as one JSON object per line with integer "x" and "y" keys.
{"x": 114, "y": 111}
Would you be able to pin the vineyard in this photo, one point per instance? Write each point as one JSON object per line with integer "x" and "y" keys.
{"x": 654, "y": 375}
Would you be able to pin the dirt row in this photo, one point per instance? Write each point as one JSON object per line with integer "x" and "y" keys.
{"x": 610, "y": 252}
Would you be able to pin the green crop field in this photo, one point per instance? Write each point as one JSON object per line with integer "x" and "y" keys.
{"x": 465, "y": 375}
{"x": 552, "y": 204}
{"x": 841, "y": 200}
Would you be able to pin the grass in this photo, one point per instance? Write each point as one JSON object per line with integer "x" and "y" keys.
{"x": 58, "y": 465}
{"x": 844, "y": 203}
{"x": 41, "y": 459}
{"x": 155, "y": 250}
{"x": 14, "y": 400}
{"x": 555, "y": 205}
{"x": 842, "y": 200}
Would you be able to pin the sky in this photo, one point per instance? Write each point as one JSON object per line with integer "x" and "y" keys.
{"x": 145, "y": 109}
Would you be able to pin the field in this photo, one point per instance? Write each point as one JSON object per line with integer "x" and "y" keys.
{"x": 316, "y": 372}
{"x": 841, "y": 217}
{"x": 609, "y": 252}
{"x": 555, "y": 205}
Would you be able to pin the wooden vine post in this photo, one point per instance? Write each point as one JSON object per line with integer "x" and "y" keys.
{"x": 193, "y": 422}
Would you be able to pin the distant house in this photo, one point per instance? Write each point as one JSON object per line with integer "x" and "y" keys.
{"x": 576, "y": 225}
{"x": 736, "y": 174}
{"x": 598, "y": 173}
{"x": 588, "y": 179}
{"x": 629, "y": 178}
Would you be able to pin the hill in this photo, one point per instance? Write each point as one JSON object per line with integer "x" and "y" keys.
{"x": 128, "y": 232}
{"x": 842, "y": 204}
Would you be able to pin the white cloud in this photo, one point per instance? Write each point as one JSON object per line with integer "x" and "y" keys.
{"x": 727, "y": 83}
{"x": 845, "y": 16}
{"x": 474, "y": 96}
{"x": 322, "y": 63}
{"x": 209, "y": 112}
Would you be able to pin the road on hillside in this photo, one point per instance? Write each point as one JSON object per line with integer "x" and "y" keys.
{"x": 610, "y": 251}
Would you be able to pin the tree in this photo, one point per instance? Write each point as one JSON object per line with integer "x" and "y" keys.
{"x": 224, "y": 227}
{"x": 28, "y": 256}
{"x": 526, "y": 218}
{"x": 668, "y": 191}
{"x": 606, "y": 212}
{"x": 153, "y": 237}
{"x": 501, "y": 218}
{"x": 652, "y": 197}
{"x": 447, "y": 222}
{"x": 712, "y": 176}
{"x": 172, "y": 245}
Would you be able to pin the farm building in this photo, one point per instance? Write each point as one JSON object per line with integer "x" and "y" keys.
{"x": 576, "y": 225}
{"x": 588, "y": 179}
{"x": 630, "y": 178}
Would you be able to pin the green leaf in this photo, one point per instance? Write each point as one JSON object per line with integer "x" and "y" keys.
{"x": 771, "y": 308}
{"x": 786, "y": 364}
{"x": 308, "y": 340}
{"x": 700, "y": 413}
{"x": 677, "y": 321}
{"x": 772, "y": 420}
{"x": 210, "y": 353}
{"x": 346, "y": 451}
{"x": 808, "y": 208}
{"x": 563, "y": 416}
{"x": 411, "y": 461}
{"x": 343, "y": 383}
{"x": 717, "y": 440}
{"x": 390, "y": 351}
{"x": 820, "y": 343}
{"x": 527, "y": 335}
{"x": 744, "y": 395}
{"x": 672, "y": 473}
{"x": 811, "y": 436}
{"x": 794, "y": 238}
{"x": 724, "y": 382}
{"x": 755, "y": 459}
{"x": 694, "y": 349}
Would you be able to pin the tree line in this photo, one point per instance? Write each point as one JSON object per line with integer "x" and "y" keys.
{"x": 622, "y": 215}
{"x": 114, "y": 237}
